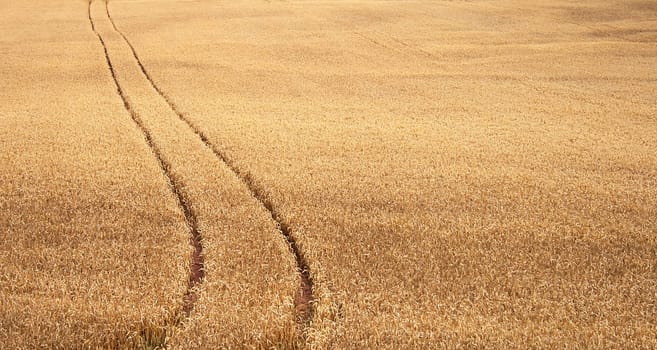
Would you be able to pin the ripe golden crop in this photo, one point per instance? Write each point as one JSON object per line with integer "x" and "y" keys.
{"x": 353, "y": 174}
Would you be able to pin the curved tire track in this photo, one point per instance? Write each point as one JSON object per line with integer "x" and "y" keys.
{"x": 197, "y": 263}
{"x": 304, "y": 299}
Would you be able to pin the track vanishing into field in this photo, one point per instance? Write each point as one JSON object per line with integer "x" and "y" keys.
{"x": 197, "y": 271}
{"x": 305, "y": 296}
{"x": 176, "y": 143}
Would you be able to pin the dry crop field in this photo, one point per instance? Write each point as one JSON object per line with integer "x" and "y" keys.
{"x": 330, "y": 174}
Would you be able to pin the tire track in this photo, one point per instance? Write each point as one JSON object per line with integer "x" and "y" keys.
{"x": 304, "y": 299}
{"x": 197, "y": 272}
{"x": 372, "y": 40}
{"x": 402, "y": 46}
{"x": 415, "y": 48}
{"x": 433, "y": 58}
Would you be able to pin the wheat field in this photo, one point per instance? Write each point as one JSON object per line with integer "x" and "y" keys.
{"x": 330, "y": 174}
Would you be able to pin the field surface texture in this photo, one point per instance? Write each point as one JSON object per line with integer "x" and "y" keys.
{"x": 351, "y": 174}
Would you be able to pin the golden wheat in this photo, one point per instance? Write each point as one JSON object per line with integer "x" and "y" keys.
{"x": 475, "y": 174}
{"x": 94, "y": 248}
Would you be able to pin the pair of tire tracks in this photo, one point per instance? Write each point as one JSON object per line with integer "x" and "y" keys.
{"x": 403, "y": 47}
{"x": 197, "y": 263}
{"x": 304, "y": 298}
{"x": 428, "y": 56}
